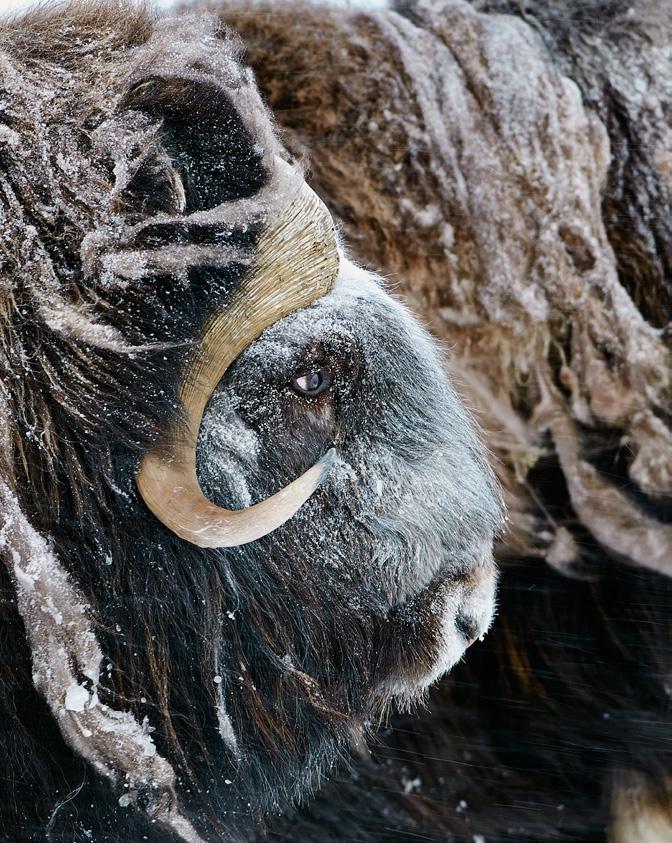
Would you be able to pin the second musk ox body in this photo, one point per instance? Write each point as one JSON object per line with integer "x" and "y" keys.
{"x": 182, "y": 338}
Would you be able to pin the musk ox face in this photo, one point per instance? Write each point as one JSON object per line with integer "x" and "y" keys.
{"x": 401, "y": 529}
{"x": 257, "y": 666}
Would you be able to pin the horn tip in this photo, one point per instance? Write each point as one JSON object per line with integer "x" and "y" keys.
{"x": 326, "y": 463}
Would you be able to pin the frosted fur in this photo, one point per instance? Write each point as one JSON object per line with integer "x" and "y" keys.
{"x": 357, "y": 299}
{"x": 564, "y": 170}
{"x": 62, "y": 637}
{"x": 47, "y": 111}
{"x": 416, "y": 488}
{"x": 233, "y": 448}
{"x": 482, "y": 172}
{"x": 202, "y": 57}
{"x": 66, "y": 184}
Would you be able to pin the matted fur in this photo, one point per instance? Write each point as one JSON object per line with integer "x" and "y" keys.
{"x": 559, "y": 333}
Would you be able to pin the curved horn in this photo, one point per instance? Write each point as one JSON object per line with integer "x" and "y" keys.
{"x": 297, "y": 263}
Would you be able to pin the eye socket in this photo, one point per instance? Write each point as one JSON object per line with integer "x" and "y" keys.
{"x": 312, "y": 383}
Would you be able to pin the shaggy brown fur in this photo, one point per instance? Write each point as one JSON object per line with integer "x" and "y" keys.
{"x": 99, "y": 300}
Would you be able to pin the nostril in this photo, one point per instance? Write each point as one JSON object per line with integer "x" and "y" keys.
{"x": 467, "y": 626}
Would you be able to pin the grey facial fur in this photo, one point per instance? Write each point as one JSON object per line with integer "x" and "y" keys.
{"x": 411, "y": 504}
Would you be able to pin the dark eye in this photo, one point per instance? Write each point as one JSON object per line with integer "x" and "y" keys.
{"x": 312, "y": 383}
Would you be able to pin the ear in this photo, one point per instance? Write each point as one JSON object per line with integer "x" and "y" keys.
{"x": 214, "y": 154}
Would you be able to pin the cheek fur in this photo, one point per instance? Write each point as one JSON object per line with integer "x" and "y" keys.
{"x": 312, "y": 418}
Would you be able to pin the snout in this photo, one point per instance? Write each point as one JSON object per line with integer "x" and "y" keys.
{"x": 467, "y": 609}
{"x": 435, "y": 628}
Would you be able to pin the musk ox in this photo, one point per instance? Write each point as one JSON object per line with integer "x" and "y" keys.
{"x": 508, "y": 164}
{"x": 242, "y": 508}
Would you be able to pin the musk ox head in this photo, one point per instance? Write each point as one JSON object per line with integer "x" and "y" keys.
{"x": 243, "y": 508}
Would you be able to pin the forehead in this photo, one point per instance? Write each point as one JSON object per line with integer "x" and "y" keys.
{"x": 357, "y": 317}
